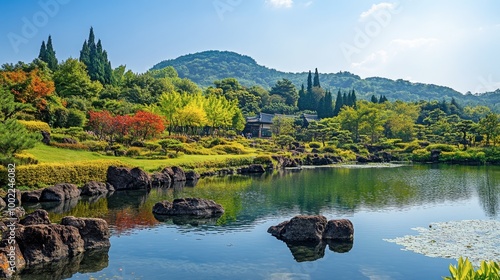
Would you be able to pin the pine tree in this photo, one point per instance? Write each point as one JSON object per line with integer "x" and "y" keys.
{"x": 382, "y": 99}
{"x": 345, "y": 100}
{"x": 316, "y": 79}
{"x": 374, "y": 99}
{"x": 338, "y": 104}
{"x": 51, "y": 55}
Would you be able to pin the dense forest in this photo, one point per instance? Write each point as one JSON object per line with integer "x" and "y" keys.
{"x": 205, "y": 67}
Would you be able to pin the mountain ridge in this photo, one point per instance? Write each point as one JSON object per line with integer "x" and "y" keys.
{"x": 205, "y": 67}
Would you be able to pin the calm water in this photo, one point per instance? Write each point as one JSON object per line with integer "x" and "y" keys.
{"x": 381, "y": 202}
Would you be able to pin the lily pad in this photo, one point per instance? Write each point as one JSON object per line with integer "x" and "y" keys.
{"x": 476, "y": 240}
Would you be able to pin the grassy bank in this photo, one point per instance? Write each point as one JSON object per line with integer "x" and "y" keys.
{"x": 49, "y": 154}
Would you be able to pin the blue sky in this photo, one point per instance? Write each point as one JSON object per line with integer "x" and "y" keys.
{"x": 451, "y": 43}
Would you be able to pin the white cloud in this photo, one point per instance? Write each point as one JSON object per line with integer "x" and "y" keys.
{"x": 378, "y": 7}
{"x": 396, "y": 49}
{"x": 280, "y": 3}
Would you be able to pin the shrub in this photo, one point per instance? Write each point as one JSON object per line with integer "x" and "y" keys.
{"x": 465, "y": 270}
{"x": 133, "y": 152}
{"x": 421, "y": 155}
{"x": 96, "y": 146}
{"x": 441, "y": 147}
{"x": 265, "y": 159}
{"x": 233, "y": 148}
{"x": 347, "y": 155}
{"x": 195, "y": 149}
{"x": 77, "y": 146}
{"x": 329, "y": 149}
{"x": 26, "y": 158}
{"x": 75, "y": 118}
{"x": 315, "y": 145}
{"x": 44, "y": 174}
{"x": 151, "y": 146}
{"x": 35, "y": 126}
{"x": 170, "y": 144}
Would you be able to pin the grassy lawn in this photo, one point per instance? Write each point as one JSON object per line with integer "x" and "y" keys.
{"x": 48, "y": 154}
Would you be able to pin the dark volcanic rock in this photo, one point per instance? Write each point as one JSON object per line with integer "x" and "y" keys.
{"x": 284, "y": 162}
{"x": 45, "y": 137}
{"x": 189, "y": 207}
{"x": 94, "y": 232}
{"x": 339, "y": 230}
{"x": 2, "y": 204}
{"x": 48, "y": 243}
{"x": 39, "y": 217}
{"x": 122, "y": 178}
{"x": 93, "y": 188}
{"x": 176, "y": 173}
{"x": 253, "y": 168}
{"x": 60, "y": 192}
{"x": 435, "y": 155}
{"x": 31, "y": 196}
{"x": 17, "y": 197}
{"x": 192, "y": 175}
{"x": 301, "y": 228}
{"x": 161, "y": 180}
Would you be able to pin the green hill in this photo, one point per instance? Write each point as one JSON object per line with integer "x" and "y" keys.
{"x": 205, "y": 67}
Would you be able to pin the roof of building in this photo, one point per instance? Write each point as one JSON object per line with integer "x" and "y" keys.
{"x": 268, "y": 118}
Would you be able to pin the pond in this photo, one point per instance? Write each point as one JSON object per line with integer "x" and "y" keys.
{"x": 383, "y": 202}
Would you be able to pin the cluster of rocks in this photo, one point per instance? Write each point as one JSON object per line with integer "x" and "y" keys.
{"x": 38, "y": 241}
{"x": 193, "y": 211}
{"x": 308, "y": 236}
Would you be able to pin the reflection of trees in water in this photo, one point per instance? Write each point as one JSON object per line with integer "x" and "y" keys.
{"x": 488, "y": 192}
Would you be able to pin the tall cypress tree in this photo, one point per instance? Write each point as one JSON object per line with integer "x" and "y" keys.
{"x": 339, "y": 102}
{"x": 354, "y": 99}
{"x": 309, "y": 82}
{"x": 374, "y": 99}
{"x": 43, "y": 52}
{"x": 96, "y": 60}
{"x": 316, "y": 79}
{"x": 51, "y": 55}
{"x": 321, "y": 108}
{"x": 301, "y": 103}
{"x": 328, "y": 111}
{"x": 85, "y": 53}
{"x": 345, "y": 100}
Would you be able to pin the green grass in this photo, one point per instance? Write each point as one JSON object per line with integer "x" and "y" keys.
{"x": 48, "y": 154}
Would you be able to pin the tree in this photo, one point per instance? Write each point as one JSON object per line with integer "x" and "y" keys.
{"x": 29, "y": 85}
{"x": 465, "y": 127}
{"x": 316, "y": 79}
{"x": 96, "y": 59}
{"x": 145, "y": 125}
{"x": 50, "y": 57}
{"x": 282, "y": 126}
{"x": 374, "y": 99}
{"x": 489, "y": 126}
{"x": 287, "y": 90}
{"x": 71, "y": 79}
{"x": 338, "y": 103}
{"x": 8, "y": 107}
{"x": 302, "y": 101}
{"x": 15, "y": 138}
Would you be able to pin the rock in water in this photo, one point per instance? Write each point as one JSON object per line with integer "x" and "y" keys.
{"x": 199, "y": 207}
{"x": 339, "y": 230}
{"x": 300, "y": 228}
{"x": 94, "y": 232}
{"x": 122, "y": 178}
{"x": 94, "y": 188}
{"x": 60, "y": 192}
{"x": 39, "y": 217}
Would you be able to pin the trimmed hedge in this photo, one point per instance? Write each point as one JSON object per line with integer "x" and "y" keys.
{"x": 35, "y": 126}
{"x": 45, "y": 174}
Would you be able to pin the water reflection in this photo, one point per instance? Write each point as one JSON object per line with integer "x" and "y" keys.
{"x": 90, "y": 261}
{"x": 311, "y": 251}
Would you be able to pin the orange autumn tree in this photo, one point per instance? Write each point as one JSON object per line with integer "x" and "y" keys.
{"x": 28, "y": 87}
{"x": 140, "y": 126}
